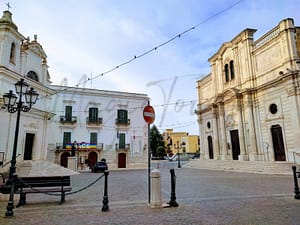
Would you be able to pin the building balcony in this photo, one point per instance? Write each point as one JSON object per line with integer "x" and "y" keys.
{"x": 91, "y": 121}
{"x": 83, "y": 146}
{"x": 125, "y": 147}
{"x": 124, "y": 122}
{"x": 64, "y": 119}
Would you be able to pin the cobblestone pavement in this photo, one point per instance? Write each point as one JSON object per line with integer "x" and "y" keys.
{"x": 204, "y": 197}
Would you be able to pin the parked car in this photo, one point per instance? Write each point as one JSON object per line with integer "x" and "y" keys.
{"x": 100, "y": 166}
{"x": 196, "y": 156}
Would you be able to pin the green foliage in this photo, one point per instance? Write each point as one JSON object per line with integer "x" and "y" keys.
{"x": 161, "y": 152}
{"x": 156, "y": 142}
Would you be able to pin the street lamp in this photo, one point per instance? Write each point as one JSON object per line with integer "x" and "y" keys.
{"x": 178, "y": 146}
{"x": 12, "y": 105}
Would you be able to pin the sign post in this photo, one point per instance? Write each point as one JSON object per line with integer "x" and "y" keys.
{"x": 149, "y": 117}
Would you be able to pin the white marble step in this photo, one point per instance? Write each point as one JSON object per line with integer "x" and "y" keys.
{"x": 243, "y": 166}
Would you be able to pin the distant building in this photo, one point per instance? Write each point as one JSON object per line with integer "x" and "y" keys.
{"x": 100, "y": 124}
{"x": 181, "y": 142}
{"x": 249, "y": 105}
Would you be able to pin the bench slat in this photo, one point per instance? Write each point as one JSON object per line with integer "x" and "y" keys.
{"x": 43, "y": 181}
{"x": 44, "y": 190}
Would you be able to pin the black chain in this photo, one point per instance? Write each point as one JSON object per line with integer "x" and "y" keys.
{"x": 69, "y": 193}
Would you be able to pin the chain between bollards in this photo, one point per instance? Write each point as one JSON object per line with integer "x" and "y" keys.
{"x": 105, "y": 206}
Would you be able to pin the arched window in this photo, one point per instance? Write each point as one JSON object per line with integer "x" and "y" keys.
{"x": 226, "y": 73}
{"x": 12, "y": 53}
{"x": 231, "y": 66}
{"x": 32, "y": 75}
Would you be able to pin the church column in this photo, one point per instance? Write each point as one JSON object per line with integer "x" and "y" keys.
{"x": 253, "y": 154}
{"x": 216, "y": 133}
{"x": 242, "y": 156}
{"x": 202, "y": 140}
{"x": 223, "y": 141}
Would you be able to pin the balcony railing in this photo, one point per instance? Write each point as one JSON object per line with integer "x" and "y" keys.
{"x": 122, "y": 121}
{"x": 94, "y": 121}
{"x": 122, "y": 147}
{"x": 79, "y": 146}
{"x": 64, "y": 119}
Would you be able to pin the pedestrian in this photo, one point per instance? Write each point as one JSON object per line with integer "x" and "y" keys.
{"x": 73, "y": 150}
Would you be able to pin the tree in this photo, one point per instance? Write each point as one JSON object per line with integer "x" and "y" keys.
{"x": 156, "y": 142}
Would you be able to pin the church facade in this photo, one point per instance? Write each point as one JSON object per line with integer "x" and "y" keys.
{"x": 22, "y": 58}
{"x": 249, "y": 105}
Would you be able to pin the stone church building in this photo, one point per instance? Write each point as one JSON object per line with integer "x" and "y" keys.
{"x": 249, "y": 104}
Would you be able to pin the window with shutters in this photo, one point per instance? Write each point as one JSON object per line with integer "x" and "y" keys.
{"x": 66, "y": 139}
{"x": 93, "y": 138}
{"x": 121, "y": 140}
{"x": 122, "y": 117}
{"x": 68, "y": 113}
{"x": 93, "y": 115}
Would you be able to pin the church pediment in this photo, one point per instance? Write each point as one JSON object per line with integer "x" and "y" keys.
{"x": 34, "y": 47}
{"x": 221, "y": 51}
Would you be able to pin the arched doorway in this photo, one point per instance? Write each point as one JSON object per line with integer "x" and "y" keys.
{"x": 64, "y": 159}
{"x": 122, "y": 160}
{"x": 278, "y": 145}
{"x": 210, "y": 147}
{"x": 92, "y": 159}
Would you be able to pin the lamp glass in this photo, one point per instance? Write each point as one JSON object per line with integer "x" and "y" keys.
{"x": 9, "y": 98}
{"x": 31, "y": 96}
{"x": 21, "y": 86}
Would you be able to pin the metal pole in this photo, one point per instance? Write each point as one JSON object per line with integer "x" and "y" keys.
{"x": 12, "y": 169}
{"x": 149, "y": 165}
{"x": 178, "y": 158}
{"x": 105, "y": 201}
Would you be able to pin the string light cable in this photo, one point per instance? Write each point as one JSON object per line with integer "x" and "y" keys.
{"x": 160, "y": 45}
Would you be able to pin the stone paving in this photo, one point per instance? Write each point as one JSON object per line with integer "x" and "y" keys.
{"x": 204, "y": 197}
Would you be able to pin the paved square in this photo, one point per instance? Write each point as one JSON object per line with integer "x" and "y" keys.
{"x": 204, "y": 197}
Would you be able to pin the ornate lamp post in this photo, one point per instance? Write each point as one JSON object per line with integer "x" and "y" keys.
{"x": 178, "y": 146}
{"x": 27, "y": 98}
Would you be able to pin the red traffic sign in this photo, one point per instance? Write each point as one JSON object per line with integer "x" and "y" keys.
{"x": 149, "y": 114}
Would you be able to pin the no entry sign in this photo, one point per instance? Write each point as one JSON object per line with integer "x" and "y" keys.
{"x": 149, "y": 114}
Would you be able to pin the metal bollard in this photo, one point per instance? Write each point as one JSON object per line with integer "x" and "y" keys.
{"x": 10, "y": 204}
{"x": 173, "y": 202}
{"x": 105, "y": 206}
{"x": 297, "y": 192}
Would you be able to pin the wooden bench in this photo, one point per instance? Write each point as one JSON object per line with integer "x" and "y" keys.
{"x": 31, "y": 185}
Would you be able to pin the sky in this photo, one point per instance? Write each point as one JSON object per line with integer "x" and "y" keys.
{"x": 156, "y": 47}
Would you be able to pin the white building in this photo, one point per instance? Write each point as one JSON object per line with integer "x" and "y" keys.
{"x": 249, "y": 104}
{"x": 103, "y": 124}
{"x": 22, "y": 58}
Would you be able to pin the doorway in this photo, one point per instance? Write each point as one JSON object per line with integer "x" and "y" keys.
{"x": 28, "y": 146}
{"x": 64, "y": 159}
{"x": 92, "y": 159}
{"x": 122, "y": 160}
{"x": 235, "y": 144}
{"x": 278, "y": 145}
{"x": 210, "y": 147}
